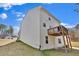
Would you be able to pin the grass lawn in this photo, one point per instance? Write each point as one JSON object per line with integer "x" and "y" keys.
{"x": 21, "y": 49}
{"x": 60, "y": 53}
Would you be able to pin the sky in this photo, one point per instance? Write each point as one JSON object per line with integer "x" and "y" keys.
{"x": 12, "y": 14}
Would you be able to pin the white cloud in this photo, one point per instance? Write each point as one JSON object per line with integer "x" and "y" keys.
{"x": 18, "y": 14}
{"x": 23, "y": 15}
{"x": 7, "y": 6}
{"x": 67, "y": 25}
{"x": 17, "y": 3}
{"x": 19, "y": 19}
{"x": 4, "y": 4}
{"x": 3, "y": 16}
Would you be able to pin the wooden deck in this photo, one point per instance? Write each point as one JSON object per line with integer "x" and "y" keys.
{"x": 61, "y": 31}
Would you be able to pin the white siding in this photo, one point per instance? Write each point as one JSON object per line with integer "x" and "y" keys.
{"x": 30, "y": 29}
{"x": 33, "y": 33}
{"x": 49, "y": 23}
{"x": 57, "y": 44}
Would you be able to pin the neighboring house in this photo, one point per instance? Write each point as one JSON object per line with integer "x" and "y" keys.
{"x": 34, "y": 29}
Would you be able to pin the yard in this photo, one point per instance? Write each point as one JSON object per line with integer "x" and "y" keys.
{"x": 21, "y": 49}
{"x": 6, "y": 41}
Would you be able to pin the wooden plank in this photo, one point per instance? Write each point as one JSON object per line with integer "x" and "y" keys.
{"x": 63, "y": 32}
{"x": 67, "y": 41}
{"x": 64, "y": 40}
{"x": 70, "y": 42}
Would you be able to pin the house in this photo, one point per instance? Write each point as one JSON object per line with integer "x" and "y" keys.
{"x": 34, "y": 29}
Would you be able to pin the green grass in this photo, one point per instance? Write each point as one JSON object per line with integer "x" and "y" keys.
{"x": 21, "y": 49}
{"x": 60, "y": 53}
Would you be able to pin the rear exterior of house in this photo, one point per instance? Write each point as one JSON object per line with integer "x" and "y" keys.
{"x": 34, "y": 30}
{"x": 48, "y": 21}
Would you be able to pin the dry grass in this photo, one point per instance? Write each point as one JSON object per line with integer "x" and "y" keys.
{"x": 75, "y": 43}
{"x": 18, "y": 49}
{"x": 6, "y": 41}
{"x": 21, "y": 49}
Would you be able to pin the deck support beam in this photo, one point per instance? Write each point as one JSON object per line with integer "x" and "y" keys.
{"x": 64, "y": 33}
{"x": 63, "y": 39}
{"x": 70, "y": 42}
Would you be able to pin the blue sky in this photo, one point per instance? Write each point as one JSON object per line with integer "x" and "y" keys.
{"x": 12, "y": 14}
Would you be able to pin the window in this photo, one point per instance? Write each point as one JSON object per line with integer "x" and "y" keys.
{"x": 58, "y": 29}
{"x": 39, "y": 46}
{"x": 46, "y": 37}
{"x": 49, "y": 18}
{"x": 44, "y": 25}
{"x": 59, "y": 40}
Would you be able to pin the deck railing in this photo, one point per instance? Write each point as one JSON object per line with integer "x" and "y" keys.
{"x": 57, "y": 30}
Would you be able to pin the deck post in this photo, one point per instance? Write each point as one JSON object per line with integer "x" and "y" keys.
{"x": 63, "y": 32}
{"x": 64, "y": 39}
{"x": 70, "y": 42}
{"x": 67, "y": 41}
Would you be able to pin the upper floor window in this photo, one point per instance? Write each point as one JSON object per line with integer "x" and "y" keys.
{"x": 49, "y": 18}
{"x": 44, "y": 25}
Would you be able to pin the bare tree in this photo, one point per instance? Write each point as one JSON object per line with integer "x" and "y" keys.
{"x": 2, "y": 28}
